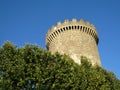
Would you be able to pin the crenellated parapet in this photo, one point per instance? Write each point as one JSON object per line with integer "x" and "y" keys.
{"x": 80, "y": 25}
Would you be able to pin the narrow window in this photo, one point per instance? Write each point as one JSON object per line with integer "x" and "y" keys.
{"x": 72, "y": 27}
{"x": 66, "y": 28}
{"x": 75, "y": 27}
{"x": 49, "y": 38}
{"x": 78, "y": 27}
{"x": 86, "y": 29}
{"x": 61, "y": 30}
{"x": 81, "y": 28}
{"x": 94, "y": 34}
{"x": 55, "y": 34}
{"x": 69, "y": 27}
{"x": 90, "y": 32}
{"x": 58, "y": 30}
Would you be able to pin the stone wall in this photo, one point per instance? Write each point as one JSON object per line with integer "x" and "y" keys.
{"x": 75, "y": 39}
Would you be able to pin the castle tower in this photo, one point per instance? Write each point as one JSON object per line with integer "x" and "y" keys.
{"x": 74, "y": 38}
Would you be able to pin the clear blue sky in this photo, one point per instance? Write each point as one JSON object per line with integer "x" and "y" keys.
{"x": 23, "y": 21}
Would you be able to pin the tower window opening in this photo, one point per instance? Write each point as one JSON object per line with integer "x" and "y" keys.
{"x": 51, "y": 37}
{"x": 75, "y": 27}
{"x": 55, "y": 34}
{"x": 61, "y": 30}
{"x": 66, "y": 28}
{"x": 78, "y": 27}
{"x": 72, "y": 27}
{"x": 48, "y": 39}
{"x": 93, "y": 34}
{"x": 58, "y": 30}
{"x": 86, "y": 29}
{"x": 90, "y": 31}
{"x": 69, "y": 27}
{"x": 81, "y": 28}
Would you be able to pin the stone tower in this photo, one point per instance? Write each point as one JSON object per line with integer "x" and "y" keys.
{"x": 74, "y": 38}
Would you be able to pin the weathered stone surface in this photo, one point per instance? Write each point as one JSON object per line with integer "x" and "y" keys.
{"x": 75, "y": 39}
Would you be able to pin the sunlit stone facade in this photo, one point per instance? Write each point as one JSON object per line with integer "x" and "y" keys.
{"x": 74, "y": 38}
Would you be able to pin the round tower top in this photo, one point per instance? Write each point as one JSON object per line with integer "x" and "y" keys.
{"x": 85, "y": 26}
{"x": 72, "y": 23}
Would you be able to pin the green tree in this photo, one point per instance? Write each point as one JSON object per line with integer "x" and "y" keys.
{"x": 32, "y": 68}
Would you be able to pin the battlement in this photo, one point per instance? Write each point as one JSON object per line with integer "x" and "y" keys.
{"x": 81, "y": 25}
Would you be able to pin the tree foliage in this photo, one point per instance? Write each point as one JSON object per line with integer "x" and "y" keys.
{"x": 32, "y": 68}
